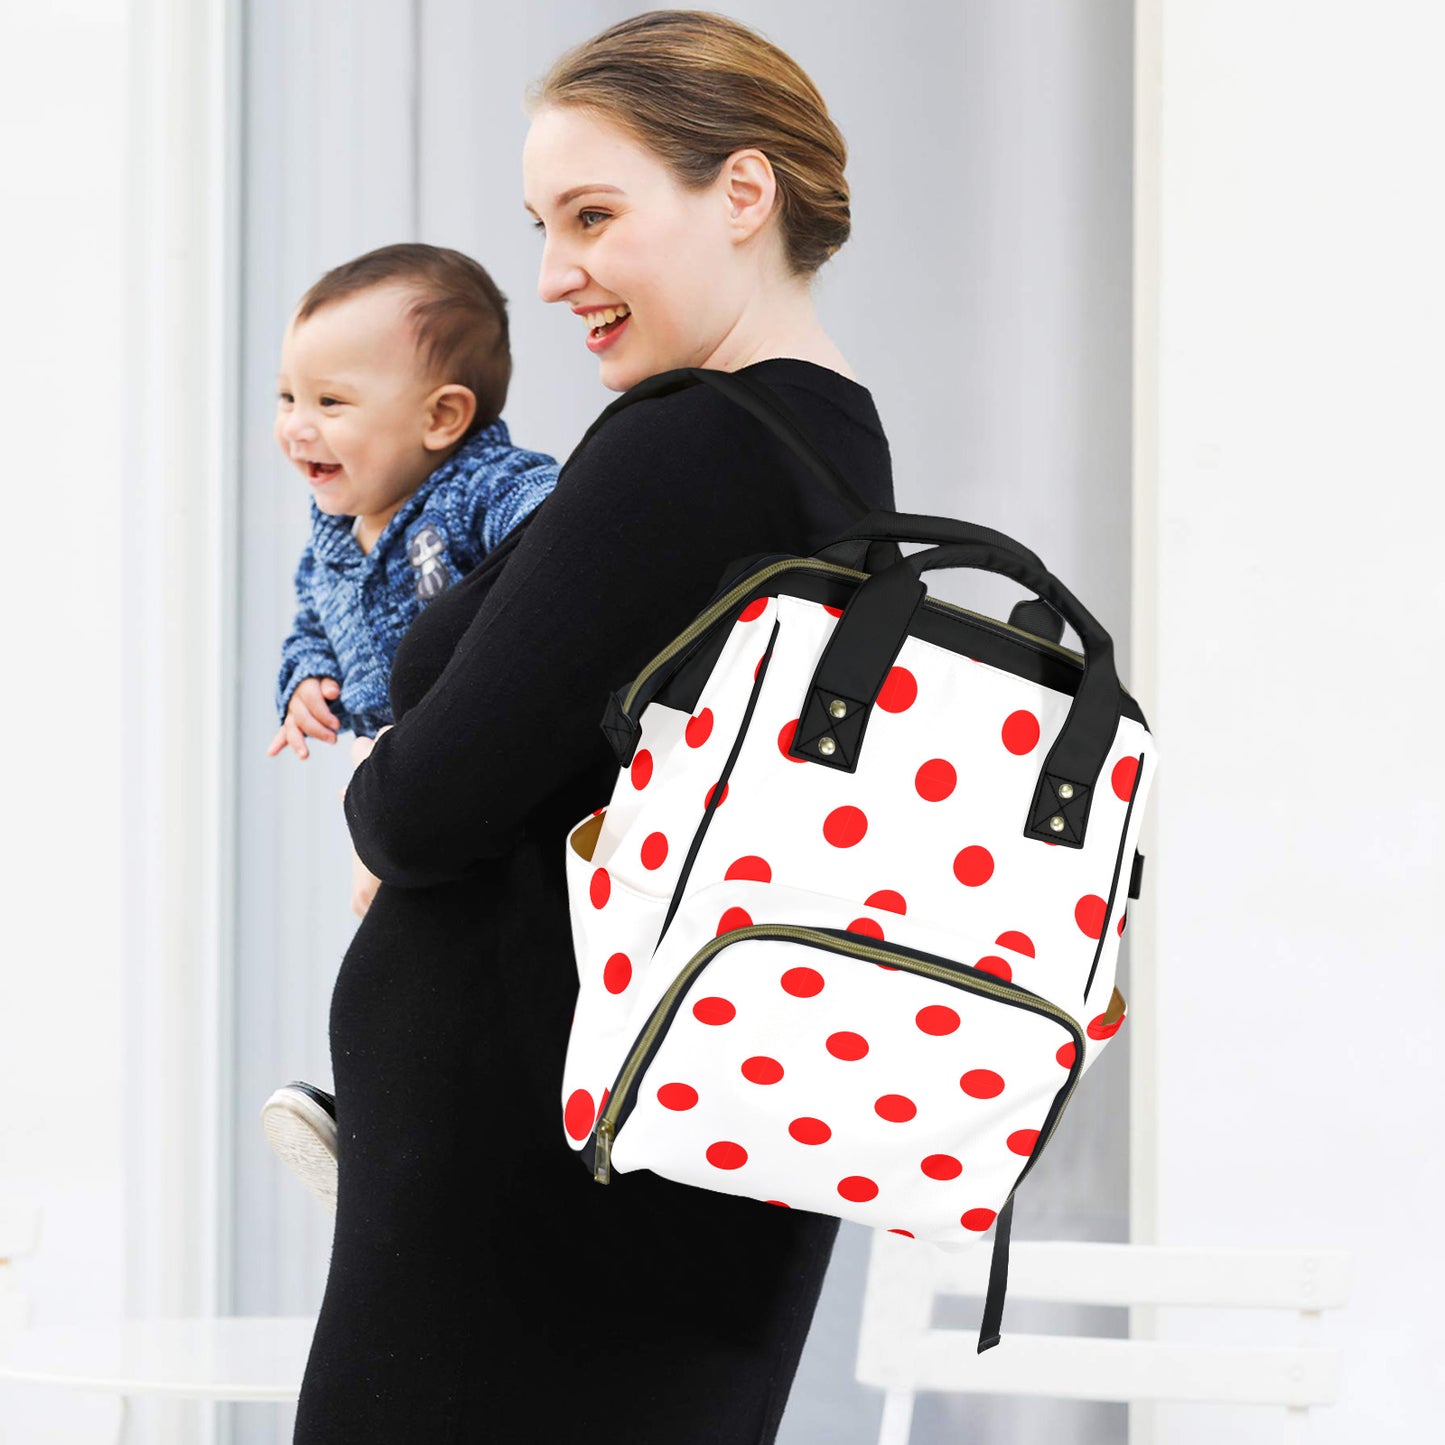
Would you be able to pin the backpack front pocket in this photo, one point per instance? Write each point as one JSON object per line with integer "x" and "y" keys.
{"x": 804, "y": 1063}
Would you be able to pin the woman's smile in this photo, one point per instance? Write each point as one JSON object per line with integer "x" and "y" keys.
{"x": 601, "y": 337}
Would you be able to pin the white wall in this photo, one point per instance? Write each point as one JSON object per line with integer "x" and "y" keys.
{"x": 116, "y": 724}
{"x": 61, "y": 1003}
{"x": 1297, "y": 873}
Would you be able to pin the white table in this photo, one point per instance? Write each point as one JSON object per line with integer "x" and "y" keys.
{"x": 233, "y": 1358}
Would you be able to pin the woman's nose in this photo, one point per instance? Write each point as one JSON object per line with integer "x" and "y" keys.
{"x": 557, "y": 278}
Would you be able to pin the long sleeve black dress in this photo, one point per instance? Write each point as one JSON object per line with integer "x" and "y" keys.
{"x": 482, "y": 1286}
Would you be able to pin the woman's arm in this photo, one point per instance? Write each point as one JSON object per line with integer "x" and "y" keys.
{"x": 628, "y": 548}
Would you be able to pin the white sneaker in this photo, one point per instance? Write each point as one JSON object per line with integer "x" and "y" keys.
{"x": 300, "y": 1124}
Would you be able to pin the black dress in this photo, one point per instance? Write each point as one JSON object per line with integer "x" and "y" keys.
{"x": 482, "y": 1286}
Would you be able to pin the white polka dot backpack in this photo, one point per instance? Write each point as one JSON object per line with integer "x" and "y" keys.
{"x": 846, "y": 931}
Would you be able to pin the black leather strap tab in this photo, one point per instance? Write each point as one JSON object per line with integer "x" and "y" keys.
{"x": 818, "y": 722}
{"x": 621, "y": 731}
{"x": 1136, "y": 875}
{"x": 1050, "y": 802}
{"x": 1035, "y": 615}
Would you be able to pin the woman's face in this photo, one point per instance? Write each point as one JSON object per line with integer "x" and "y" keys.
{"x": 617, "y": 231}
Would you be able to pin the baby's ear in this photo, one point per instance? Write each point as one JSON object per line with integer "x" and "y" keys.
{"x": 452, "y": 408}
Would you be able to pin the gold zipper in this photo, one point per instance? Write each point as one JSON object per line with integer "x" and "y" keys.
{"x": 736, "y": 594}
{"x": 606, "y": 1125}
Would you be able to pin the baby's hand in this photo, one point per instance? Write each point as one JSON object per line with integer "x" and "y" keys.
{"x": 307, "y": 715}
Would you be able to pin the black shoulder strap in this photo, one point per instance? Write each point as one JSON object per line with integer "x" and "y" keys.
{"x": 990, "y": 1330}
{"x": 752, "y": 397}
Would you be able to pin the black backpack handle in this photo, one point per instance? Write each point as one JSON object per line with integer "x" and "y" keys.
{"x": 915, "y": 527}
{"x": 843, "y": 690}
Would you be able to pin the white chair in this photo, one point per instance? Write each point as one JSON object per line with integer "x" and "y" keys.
{"x": 233, "y": 1358}
{"x": 900, "y": 1352}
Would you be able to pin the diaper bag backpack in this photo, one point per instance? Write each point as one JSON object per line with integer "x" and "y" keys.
{"x": 846, "y": 930}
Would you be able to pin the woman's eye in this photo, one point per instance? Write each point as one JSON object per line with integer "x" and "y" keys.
{"x": 539, "y": 226}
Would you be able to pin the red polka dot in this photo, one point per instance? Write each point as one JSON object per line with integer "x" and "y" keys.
{"x": 579, "y": 1114}
{"x": 1065, "y": 1055}
{"x": 887, "y": 898}
{"x": 778, "y": 1202}
{"x": 1022, "y": 1141}
{"x": 1019, "y": 942}
{"x": 810, "y": 1131}
{"x": 677, "y": 1096}
{"x": 974, "y": 865}
{"x": 654, "y": 850}
{"x": 1124, "y": 776}
{"x": 785, "y": 741}
{"x": 858, "y": 1188}
{"x": 935, "y": 780}
{"x": 603, "y": 1102}
{"x": 847, "y": 1046}
{"x": 845, "y": 826}
{"x": 907, "y": 1233}
{"x": 699, "y": 728}
{"x": 750, "y": 867}
{"x": 713, "y": 1011}
{"x": 753, "y": 610}
{"x": 641, "y": 771}
{"x": 1020, "y": 732}
{"x": 978, "y": 1219}
{"x": 981, "y": 1084}
{"x": 757, "y": 667}
{"x": 936, "y": 1019}
{"x": 760, "y": 1069}
{"x": 941, "y": 1166}
{"x": 1120, "y": 929}
{"x": 1098, "y": 1029}
{"x": 896, "y": 1108}
{"x": 600, "y": 889}
{"x": 868, "y": 927}
{"x": 836, "y": 611}
{"x": 707, "y": 801}
{"x": 992, "y": 963}
{"x": 899, "y": 691}
{"x": 617, "y": 973}
{"x": 726, "y": 1155}
{"x": 802, "y": 982}
{"x": 1089, "y": 914}
{"x": 733, "y": 918}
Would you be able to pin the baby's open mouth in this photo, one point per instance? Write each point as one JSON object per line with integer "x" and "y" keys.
{"x": 319, "y": 470}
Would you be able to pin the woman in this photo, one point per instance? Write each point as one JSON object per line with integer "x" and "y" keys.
{"x": 482, "y": 1286}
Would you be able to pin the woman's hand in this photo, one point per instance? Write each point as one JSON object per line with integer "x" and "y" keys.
{"x": 364, "y": 882}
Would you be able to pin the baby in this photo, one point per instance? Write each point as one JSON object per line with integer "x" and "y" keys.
{"x": 394, "y": 370}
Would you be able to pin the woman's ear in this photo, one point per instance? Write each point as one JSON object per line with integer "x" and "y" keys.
{"x": 749, "y": 188}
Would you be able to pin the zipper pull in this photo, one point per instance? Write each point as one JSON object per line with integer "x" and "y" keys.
{"x": 602, "y": 1169}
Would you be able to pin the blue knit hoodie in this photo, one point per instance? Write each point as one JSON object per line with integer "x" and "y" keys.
{"x": 355, "y": 605}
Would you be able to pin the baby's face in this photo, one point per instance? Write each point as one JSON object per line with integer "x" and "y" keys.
{"x": 351, "y": 404}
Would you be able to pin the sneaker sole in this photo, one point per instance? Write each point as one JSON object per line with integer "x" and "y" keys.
{"x": 303, "y": 1134}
